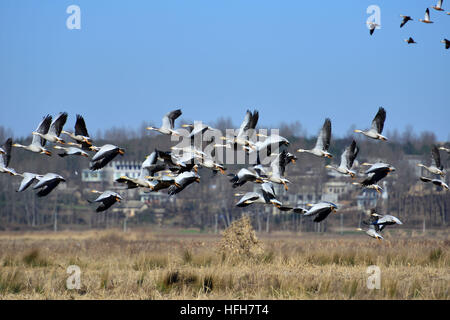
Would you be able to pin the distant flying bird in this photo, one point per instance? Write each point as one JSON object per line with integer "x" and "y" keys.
{"x": 55, "y": 129}
{"x": 436, "y": 182}
{"x": 323, "y": 142}
{"x": 47, "y": 183}
{"x": 427, "y": 17}
{"x": 437, "y": 167}
{"x": 28, "y": 179}
{"x": 38, "y": 143}
{"x": 107, "y": 199}
{"x": 168, "y": 123}
{"x": 104, "y": 155}
{"x": 321, "y": 210}
{"x": 405, "y": 20}
{"x": 410, "y": 40}
{"x": 377, "y": 126}
{"x": 70, "y": 151}
{"x": 372, "y": 27}
{"x": 347, "y": 159}
{"x": 447, "y": 43}
{"x": 371, "y": 232}
{"x": 81, "y": 134}
{"x": 438, "y": 6}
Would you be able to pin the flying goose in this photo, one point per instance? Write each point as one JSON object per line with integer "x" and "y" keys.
{"x": 104, "y": 155}
{"x": 437, "y": 167}
{"x": 266, "y": 195}
{"x": 245, "y": 130}
{"x": 323, "y": 141}
{"x": 371, "y": 232}
{"x": 321, "y": 210}
{"x": 410, "y": 41}
{"x": 81, "y": 134}
{"x": 375, "y": 173}
{"x": 436, "y": 182}
{"x": 168, "y": 123}
{"x": 405, "y": 20}
{"x": 71, "y": 151}
{"x": 438, "y": 6}
{"x": 148, "y": 168}
{"x": 427, "y": 17}
{"x": 107, "y": 199}
{"x": 38, "y": 143}
{"x": 275, "y": 176}
{"x": 372, "y": 27}
{"x": 5, "y": 158}
{"x": 47, "y": 183}
{"x": 347, "y": 159}
{"x": 182, "y": 181}
{"x": 244, "y": 175}
{"x": 55, "y": 129}
{"x": 377, "y": 126}
{"x": 28, "y": 179}
{"x": 381, "y": 221}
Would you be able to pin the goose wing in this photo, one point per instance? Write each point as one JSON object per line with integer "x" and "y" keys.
{"x": 6, "y": 157}
{"x": 42, "y": 128}
{"x": 58, "y": 124}
{"x": 349, "y": 155}
{"x": 245, "y": 124}
{"x": 28, "y": 179}
{"x": 436, "y": 157}
{"x": 168, "y": 121}
{"x": 324, "y": 138}
{"x": 378, "y": 121}
{"x": 427, "y": 15}
{"x": 249, "y": 196}
{"x": 80, "y": 127}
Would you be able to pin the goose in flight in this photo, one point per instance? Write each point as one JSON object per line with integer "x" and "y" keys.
{"x": 410, "y": 41}
{"x": 28, "y": 179}
{"x": 245, "y": 175}
{"x": 377, "y": 126}
{"x": 347, "y": 159}
{"x": 323, "y": 141}
{"x": 405, "y": 20}
{"x": 426, "y": 19}
{"x": 371, "y": 232}
{"x": 276, "y": 176}
{"x": 375, "y": 173}
{"x": 81, "y": 135}
{"x": 436, "y": 182}
{"x": 246, "y": 130}
{"x": 437, "y": 167}
{"x": 47, "y": 183}
{"x": 266, "y": 195}
{"x": 168, "y": 123}
{"x": 381, "y": 221}
{"x": 71, "y": 151}
{"x": 55, "y": 129}
{"x": 320, "y": 210}
{"x": 446, "y": 42}
{"x": 5, "y": 158}
{"x": 273, "y": 140}
{"x": 38, "y": 143}
{"x": 107, "y": 199}
{"x": 438, "y": 6}
{"x": 182, "y": 181}
{"x": 148, "y": 168}
{"x": 372, "y": 27}
{"x": 104, "y": 155}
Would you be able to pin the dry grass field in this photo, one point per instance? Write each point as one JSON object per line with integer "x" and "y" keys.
{"x": 144, "y": 264}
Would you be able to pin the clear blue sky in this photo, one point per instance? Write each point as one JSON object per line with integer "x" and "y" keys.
{"x": 292, "y": 60}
